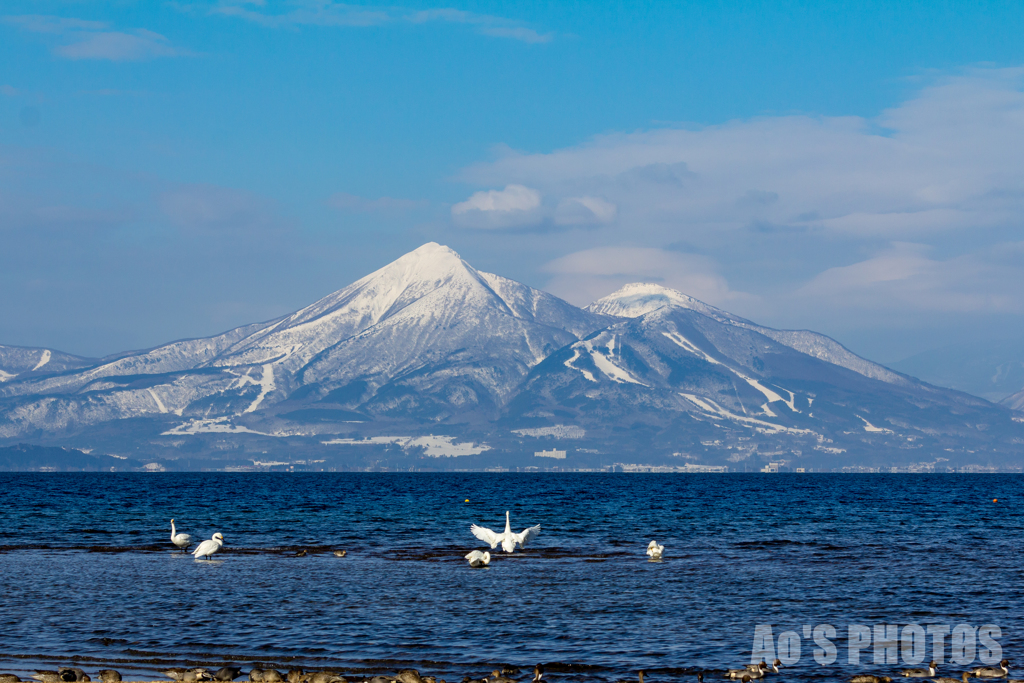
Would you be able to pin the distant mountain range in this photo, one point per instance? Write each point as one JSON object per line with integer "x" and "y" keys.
{"x": 429, "y": 362}
{"x": 52, "y": 459}
{"x": 992, "y": 369}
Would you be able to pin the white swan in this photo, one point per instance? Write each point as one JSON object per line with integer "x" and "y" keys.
{"x": 183, "y": 541}
{"x": 655, "y": 550}
{"x": 507, "y": 539}
{"x": 207, "y": 548}
{"x": 478, "y": 559}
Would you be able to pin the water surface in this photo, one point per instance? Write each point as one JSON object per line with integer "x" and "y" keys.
{"x": 87, "y": 570}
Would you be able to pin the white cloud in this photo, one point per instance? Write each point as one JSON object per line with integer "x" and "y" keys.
{"x": 584, "y": 211}
{"x": 903, "y": 277}
{"x": 95, "y": 40}
{"x": 520, "y": 33}
{"x": 120, "y": 47}
{"x": 943, "y": 161}
{"x": 585, "y": 276}
{"x": 514, "y": 206}
{"x": 312, "y": 13}
{"x": 327, "y": 13}
{"x": 782, "y": 202}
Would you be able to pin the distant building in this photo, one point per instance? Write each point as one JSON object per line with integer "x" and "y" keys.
{"x": 558, "y": 455}
{"x": 773, "y": 467}
{"x": 690, "y": 467}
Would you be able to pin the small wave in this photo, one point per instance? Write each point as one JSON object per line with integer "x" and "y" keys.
{"x": 784, "y": 542}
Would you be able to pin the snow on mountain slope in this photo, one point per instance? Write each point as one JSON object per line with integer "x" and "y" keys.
{"x": 19, "y": 361}
{"x": 1015, "y": 402}
{"x": 428, "y": 339}
{"x": 428, "y": 321}
{"x": 637, "y": 299}
{"x": 410, "y": 315}
{"x": 425, "y": 284}
{"x": 469, "y": 336}
{"x": 178, "y": 356}
{"x": 679, "y": 372}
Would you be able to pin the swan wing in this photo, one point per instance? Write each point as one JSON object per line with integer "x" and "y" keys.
{"x": 486, "y": 535}
{"x": 527, "y": 535}
{"x": 205, "y": 548}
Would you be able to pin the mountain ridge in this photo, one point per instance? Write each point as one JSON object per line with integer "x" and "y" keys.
{"x": 428, "y": 343}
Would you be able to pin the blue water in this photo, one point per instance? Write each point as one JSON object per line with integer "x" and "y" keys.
{"x": 87, "y": 570}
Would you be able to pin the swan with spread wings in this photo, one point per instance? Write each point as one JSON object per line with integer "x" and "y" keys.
{"x": 507, "y": 539}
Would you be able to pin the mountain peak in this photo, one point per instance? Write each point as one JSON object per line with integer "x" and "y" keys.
{"x": 426, "y": 262}
{"x": 431, "y": 251}
{"x": 430, "y": 248}
{"x": 639, "y": 298}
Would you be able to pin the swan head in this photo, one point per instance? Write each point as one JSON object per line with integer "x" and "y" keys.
{"x": 487, "y": 557}
{"x": 217, "y": 537}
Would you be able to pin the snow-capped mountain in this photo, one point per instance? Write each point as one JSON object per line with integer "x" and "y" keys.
{"x": 639, "y": 298}
{"x": 19, "y": 362}
{"x": 428, "y": 345}
{"x": 426, "y": 335}
{"x": 635, "y": 300}
{"x": 1016, "y": 401}
{"x": 685, "y": 374}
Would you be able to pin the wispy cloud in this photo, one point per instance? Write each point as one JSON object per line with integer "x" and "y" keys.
{"x": 518, "y": 206}
{"x": 945, "y": 160}
{"x": 82, "y": 39}
{"x": 782, "y": 203}
{"x": 305, "y": 13}
{"x": 584, "y": 276}
{"x": 120, "y": 47}
{"x": 906, "y": 276}
{"x": 514, "y": 206}
{"x": 486, "y": 24}
{"x": 326, "y": 13}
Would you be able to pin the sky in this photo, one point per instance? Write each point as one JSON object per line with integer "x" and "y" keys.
{"x": 173, "y": 169}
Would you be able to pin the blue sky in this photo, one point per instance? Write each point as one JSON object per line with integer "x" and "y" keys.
{"x": 176, "y": 169}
